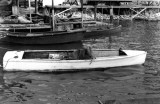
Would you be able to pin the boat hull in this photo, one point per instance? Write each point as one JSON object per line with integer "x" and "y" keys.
{"x": 48, "y": 65}
{"x": 44, "y": 38}
{"x": 99, "y": 33}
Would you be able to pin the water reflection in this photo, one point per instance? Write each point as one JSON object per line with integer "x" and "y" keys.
{"x": 22, "y": 87}
{"x": 13, "y": 91}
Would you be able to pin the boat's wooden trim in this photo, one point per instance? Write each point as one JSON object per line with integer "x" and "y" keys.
{"x": 42, "y": 34}
{"x": 68, "y": 50}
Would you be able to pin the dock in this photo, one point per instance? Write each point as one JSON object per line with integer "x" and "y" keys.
{"x": 137, "y": 9}
{"x": 134, "y": 6}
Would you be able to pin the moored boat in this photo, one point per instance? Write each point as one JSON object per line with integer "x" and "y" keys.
{"x": 48, "y": 37}
{"x": 98, "y": 32}
{"x": 70, "y": 60}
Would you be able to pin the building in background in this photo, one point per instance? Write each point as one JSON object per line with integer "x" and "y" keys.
{"x": 109, "y": 2}
{"x": 49, "y": 2}
{"x": 8, "y": 7}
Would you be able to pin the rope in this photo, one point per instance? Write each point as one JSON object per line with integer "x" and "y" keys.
{"x": 6, "y": 63}
{"x": 8, "y": 59}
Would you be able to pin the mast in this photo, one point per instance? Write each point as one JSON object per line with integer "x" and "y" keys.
{"x": 18, "y": 5}
{"x": 111, "y": 14}
{"x": 29, "y": 2}
{"x": 82, "y": 11}
{"x": 36, "y": 6}
{"x": 95, "y": 12}
{"x": 53, "y": 24}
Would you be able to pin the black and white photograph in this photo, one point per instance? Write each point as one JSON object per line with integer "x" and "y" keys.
{"x": 79, "y": 51}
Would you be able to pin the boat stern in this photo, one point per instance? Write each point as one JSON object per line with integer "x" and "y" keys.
{"x": 139, "y": 57}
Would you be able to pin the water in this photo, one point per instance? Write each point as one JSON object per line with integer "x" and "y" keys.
{"x": 138, "y": 84}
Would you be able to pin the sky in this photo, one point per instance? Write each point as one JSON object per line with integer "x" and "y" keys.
{"x": 49, "y": 2}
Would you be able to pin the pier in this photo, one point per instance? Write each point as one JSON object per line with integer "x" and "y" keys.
{"x": 134, "y": 7}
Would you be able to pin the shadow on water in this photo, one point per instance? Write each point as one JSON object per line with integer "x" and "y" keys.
{"x": 25, "y": 86}
{"x": 73, "y": 45}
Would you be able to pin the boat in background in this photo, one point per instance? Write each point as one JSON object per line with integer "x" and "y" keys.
{"x": 57, "y": 34}
{"x": 149, "y": 17}
{"x": 70, "y": 60}
{"x": 48, "y": 37}
{"x": 96, "y": 29}
{"x": 101, "y": 29}
{"x": 154, "y": 17}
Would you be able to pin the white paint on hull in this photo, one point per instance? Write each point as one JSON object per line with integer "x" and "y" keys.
{"x": 16, "y": 64}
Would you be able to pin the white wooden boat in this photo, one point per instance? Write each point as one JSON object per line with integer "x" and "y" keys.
{"x": 70, "y": 60}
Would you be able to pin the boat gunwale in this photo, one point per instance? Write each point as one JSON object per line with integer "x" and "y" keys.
{"x": 99, "y": 30}
{"x": 80, "y": 60}
{"x": 41, "y": 34}
{"x": 65, "y": 50}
